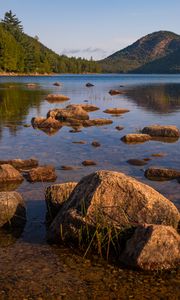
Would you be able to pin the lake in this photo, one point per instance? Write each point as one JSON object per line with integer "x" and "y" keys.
{"x": 32, "y": 269}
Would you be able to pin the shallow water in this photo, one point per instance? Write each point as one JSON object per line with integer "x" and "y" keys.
{"x": 29, "y": 267}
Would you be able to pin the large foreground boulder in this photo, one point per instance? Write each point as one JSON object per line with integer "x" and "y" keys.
{"x": 56, "y": 195}
{"x": 153, "y": 247}
{"x": 9, "y": 174}
{"x": 12, "y": 209}
{"x": 162, "y": 131}
{"x": 111, "y": 201}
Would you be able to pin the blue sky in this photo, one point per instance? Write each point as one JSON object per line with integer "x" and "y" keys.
{"x": 93, "y": 27}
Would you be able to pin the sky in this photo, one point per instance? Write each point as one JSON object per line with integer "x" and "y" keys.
{"x": 93, "y": 28}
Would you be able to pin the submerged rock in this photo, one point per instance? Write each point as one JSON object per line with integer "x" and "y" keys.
{"x": 21, "y": 163}
{"x": 75, "y": 130}
{"x": 162, "y": 131}
{"x": 109, "y": 200}
{"x": 97, "y": 122}
{"x": 89, "y": 163}
{"x": 153, "y": 247}
{"x": 162, "y": 174}
{"x": 12, "y": 209}
{"x": 9, "y": 174}
{"x": 67, "y": 168}
{"x": 137, "y": 162}
{"x": 136, "y": 138}
{"x": 32, "y": 85}
{"x": 115, "y": 111}
{"x": 86, "y": 107}
{"x": 96, "y": 144}
{"x": 160, "y": 154}
{"x": 41, "y": 174}
{"x": 79, "y": 142}
{"x": 56, "y": 98}
{"x": 115, "y": 92}
{"x": 56, "y": 195}
{"x": 119, "y": 128}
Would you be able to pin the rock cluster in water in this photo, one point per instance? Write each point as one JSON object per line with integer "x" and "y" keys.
{"x": 74, "y": 115}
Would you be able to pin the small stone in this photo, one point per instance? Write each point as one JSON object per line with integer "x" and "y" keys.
{"x": 56, "y": 98}
{"x": 115, "y": 92}
{"x": 137, "y": 162}
{"x": 97, "y": 122}
{"x": 27, "y": 125}
{"x": 9, "y": 174}
{"x": 162, "y": 174}
{"x": 79, "y": 142}
{"x": 170, "y": 131}
{"x": 119, "y": 128}
{"x": 160, "y": 154}
{"x": 136, "y": 138}
{"x": 116, "y": 111}
{"x": 57, "y": 84}
{"x": 41, "y": 174}
{"x": 88, "y": 163}
{"x": 89, "y": 84}
{"x": 96, "y": 144}
{"x": 67, "y": 168}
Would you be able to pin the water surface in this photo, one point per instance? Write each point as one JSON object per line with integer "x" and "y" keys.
{"x": 151, "y": 100}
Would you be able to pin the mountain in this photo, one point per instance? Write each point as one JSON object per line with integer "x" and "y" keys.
{"x": 23, "y": 54}
{"x": 158, "y": 52}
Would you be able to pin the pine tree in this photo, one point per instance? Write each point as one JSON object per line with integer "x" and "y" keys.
{"x": 11, "y": 21}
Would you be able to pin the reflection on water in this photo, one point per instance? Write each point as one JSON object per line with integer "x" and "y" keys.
{"x": 15, "y": 103}
{"x": 164, "y": 98}
{"x": 150, "y": 100}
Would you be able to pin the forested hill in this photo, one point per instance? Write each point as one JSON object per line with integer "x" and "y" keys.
{"x": 158, "y": 52}
{"x": 21, "y": 53}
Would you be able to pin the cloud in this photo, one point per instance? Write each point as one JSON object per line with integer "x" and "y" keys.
{"x": 87, "y": 52}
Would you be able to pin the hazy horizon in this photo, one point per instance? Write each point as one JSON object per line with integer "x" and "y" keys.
{"x": 82, "y": 29}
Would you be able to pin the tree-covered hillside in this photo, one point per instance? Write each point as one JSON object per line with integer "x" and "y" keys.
{"x": 23, "y": 54}
{"x": 159, "y": 50}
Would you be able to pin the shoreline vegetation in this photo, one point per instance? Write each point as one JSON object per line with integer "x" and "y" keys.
{"x": 14, "y": 74}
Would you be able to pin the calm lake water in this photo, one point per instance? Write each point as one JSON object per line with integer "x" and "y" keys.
{"x": 31, "y": 269}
